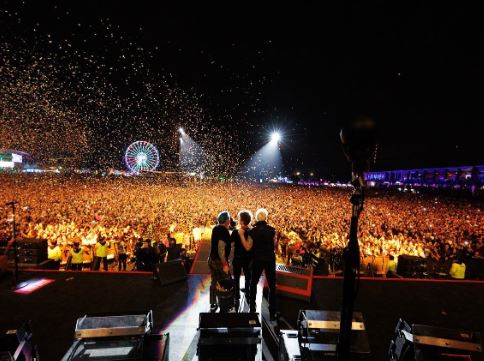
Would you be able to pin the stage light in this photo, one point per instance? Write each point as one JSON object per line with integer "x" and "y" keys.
{"x": 182, "y": 132}
{"x": 275, "y": 137}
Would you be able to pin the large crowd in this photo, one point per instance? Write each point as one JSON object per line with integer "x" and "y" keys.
{"x": 316, "y": 220}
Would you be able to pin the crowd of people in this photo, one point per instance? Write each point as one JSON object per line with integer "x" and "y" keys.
{"x": 309, "y": 220}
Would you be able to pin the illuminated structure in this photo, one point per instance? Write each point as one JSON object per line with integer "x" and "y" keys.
{"x": 454, "y": 177}
{"x": 141, "y": 156}
{"x": 11, "y": 159}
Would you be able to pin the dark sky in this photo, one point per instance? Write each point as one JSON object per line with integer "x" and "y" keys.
{"x": 418, "y": 68}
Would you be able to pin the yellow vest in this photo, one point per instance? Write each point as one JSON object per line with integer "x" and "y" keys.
{"x": 392, "y": 266}
{"x": 76, "y": 257}
{"x": 54, "y": 253}
{"x": 101, "y": 251}
{"x": 179, "y": 236}
{"x": 458, "y": 271}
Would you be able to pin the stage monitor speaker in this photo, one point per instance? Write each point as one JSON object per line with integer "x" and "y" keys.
{"x": 411, "y": 266}
{"x": 428, "y": 343}
{"x": 171, "y": 272}
{"x": 318, "y": 333}
{"x": 229, "y": 336}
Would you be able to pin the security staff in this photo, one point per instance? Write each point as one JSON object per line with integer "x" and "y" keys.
{"x": 262, "y": 242}
{"x": 101, "y": 254}
{"x": 458, "y": 270}
{"x": 242, "y": 257}
{"x": 391, "y": 267}
{"x": 54, "y": 254}
{"x": 76, "y": 256}
{"x": 219, "y": 255}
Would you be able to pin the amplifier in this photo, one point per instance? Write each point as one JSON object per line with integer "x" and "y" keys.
{"x": 40, "y": 252}
{"x": 318, "y": 333}
{"x": 28, "y": 259}
{"x": 294, "y": 282}
{"x": 32, "y": 243}
{"x": 26, "y": 245}
{"x": 411, "y": 266}
{"x": 47, "y": 264}
{"x": 229, "y": 336}
{"x": 29, "y": 251}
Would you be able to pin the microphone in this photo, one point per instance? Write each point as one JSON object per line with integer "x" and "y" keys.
{"x": 358, "y": 138}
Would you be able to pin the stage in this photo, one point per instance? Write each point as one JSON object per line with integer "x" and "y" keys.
{"x": 54, "y": 308}
{"x": 66, "y": 296}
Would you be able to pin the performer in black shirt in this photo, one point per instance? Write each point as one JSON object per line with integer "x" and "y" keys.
{"x": 242, "y": 257}
{"x": 220, "y": 250}
{"x": 262, "y": 241}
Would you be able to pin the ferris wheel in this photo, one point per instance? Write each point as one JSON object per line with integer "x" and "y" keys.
{"x": 141, "y": 156}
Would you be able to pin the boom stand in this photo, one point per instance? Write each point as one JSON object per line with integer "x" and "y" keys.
{"x": 351, "y": 257}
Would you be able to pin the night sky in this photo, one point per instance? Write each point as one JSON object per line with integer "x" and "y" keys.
{"x": 419, "y": 69}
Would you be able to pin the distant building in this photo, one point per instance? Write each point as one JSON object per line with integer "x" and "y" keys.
{"x": 11, "y": 159}
{"x": 448, "y": 177}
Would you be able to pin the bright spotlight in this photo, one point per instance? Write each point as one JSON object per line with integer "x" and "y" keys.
{"x": 181, "y": 130}
{"x": 275, "y": 137}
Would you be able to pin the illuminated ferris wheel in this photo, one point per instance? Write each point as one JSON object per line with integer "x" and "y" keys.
{"x": 141, "y": 156}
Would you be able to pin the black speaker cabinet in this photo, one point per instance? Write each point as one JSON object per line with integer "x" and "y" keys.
{"x": 318, "y": 333}
{"x": 171, "y": 272}
{"x": 428, "y": 343}
{"x": 229, "y": 337}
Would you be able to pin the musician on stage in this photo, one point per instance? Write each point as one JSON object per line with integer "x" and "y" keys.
{"x": 221, "y": 249}
{"x": 261, "y": 241}
{"x": 242, "y": 257}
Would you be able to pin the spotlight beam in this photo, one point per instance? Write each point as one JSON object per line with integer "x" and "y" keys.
{"x": 275, "y": 137}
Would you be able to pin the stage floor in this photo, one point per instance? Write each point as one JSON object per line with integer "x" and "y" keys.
{"x": 54, "y": 308}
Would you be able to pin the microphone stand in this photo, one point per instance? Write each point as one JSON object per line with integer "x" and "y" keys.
{"x": 351, "y": 258}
